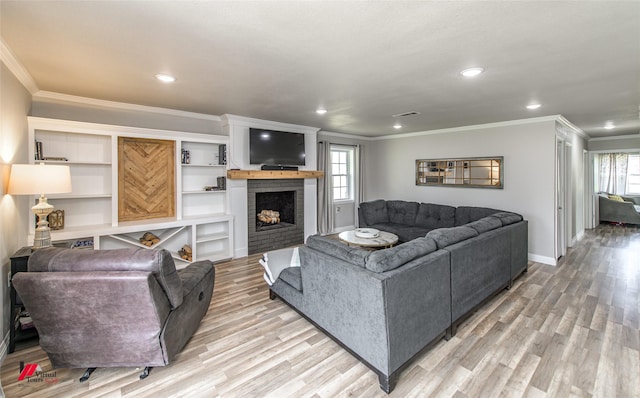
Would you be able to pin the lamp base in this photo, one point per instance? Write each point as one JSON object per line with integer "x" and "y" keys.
{"x": 42, "y": 237}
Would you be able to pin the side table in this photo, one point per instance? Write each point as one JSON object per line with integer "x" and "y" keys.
{"x": 16, "y": 334}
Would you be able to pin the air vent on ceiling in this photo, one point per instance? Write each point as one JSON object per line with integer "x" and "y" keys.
{"x": 405, "y": 114}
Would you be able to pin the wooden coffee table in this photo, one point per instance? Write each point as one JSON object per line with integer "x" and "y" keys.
{"x": 384, "y": 239}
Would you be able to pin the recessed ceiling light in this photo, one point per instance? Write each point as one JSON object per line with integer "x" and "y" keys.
{"x": 609, "y": 126}
{"x": 471, "y": 72}
{"x": 397, "y": 125}
{"x": 165, "y": 78}
{"x": 533, "y": 106}
{"x": 321, "y": 111}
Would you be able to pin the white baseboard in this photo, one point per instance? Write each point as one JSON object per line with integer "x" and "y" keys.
{"x": 542, "y": 259}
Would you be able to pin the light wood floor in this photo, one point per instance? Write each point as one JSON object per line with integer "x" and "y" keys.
{"x": 571, "y": 330}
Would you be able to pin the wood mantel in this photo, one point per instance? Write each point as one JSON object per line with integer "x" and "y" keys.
{"x": 272, "y": 174}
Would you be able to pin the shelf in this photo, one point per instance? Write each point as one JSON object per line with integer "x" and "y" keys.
{"x": 71, "y": 163}
{"x": 202, "y": 165}
{"x": 272, "y": 174}
{"x": 211, "y": 237}
{"x": 203, "y": 191}
{"x": 87, "y": 196}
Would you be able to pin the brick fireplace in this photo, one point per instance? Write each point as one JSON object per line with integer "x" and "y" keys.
{"x": 285, "y": 196}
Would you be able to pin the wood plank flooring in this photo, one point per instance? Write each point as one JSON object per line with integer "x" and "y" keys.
{"x": 566, "y": 331}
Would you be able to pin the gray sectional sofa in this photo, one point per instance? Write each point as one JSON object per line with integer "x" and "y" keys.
{"x": 386, "y": 306}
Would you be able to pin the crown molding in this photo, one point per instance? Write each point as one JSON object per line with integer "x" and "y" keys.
{"x": 573, "y": 127}
{"x": 10, "y": 60}
{"x": 616, "y": 137}
{"x": 553, "y": 118}
{"x": 61, "y": 98}
{"x": 343, "y": 135}
{"x": 236, "y": 120}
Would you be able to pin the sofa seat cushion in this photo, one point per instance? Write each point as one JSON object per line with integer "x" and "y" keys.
{"x": 405, "y": 233}
{"x": 388, "y": 259}
{"x": 467, "y": 214}
{"x": 293, "y": 277}
{"x": 336, "y": 248}
{"x": 401, "y": 212}
{"x": 432, "y": 216}
{"x": 375, "y": 212}
{"x": 448, "y": 236}
{"x": 507, "y": 218}
{"x": 485, "y": 224}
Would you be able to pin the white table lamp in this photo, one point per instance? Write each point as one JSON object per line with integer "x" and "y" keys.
{"x": 40, "y": 179}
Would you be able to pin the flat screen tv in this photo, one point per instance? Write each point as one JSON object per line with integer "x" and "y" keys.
{"x": 277, "y": 148}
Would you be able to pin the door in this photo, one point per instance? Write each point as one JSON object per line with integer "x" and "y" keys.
{"x": 560, "y": 199}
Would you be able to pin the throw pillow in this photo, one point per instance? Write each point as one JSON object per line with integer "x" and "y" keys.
{"x": 617, "y": 198}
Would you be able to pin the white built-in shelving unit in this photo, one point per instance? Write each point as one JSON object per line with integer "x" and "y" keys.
{"x": 91, "y": 209}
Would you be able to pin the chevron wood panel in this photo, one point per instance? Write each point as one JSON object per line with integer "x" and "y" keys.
{"x": 146, "y": 179}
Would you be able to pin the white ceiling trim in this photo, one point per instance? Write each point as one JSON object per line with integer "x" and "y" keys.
{"x": 16, "y": 68}
{"x": 573, "y": 127}
{"x": 244, "y": 121}
{"x": 616, "y": 137}
{"x": 553, "y": 118}
{"x": 58, "y": 97}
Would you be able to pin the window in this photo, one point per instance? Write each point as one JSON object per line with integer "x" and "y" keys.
{"x": 342, "y": 166}
{"x": 633, "y": 174}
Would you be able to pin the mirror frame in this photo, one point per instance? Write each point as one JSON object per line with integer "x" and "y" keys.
{"x": 440, "y": 167}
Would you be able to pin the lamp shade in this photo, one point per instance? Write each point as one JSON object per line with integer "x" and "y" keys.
{"x": 36, "y": 179}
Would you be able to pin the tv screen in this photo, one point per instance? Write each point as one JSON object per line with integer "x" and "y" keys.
{"x": 277, "y": 148}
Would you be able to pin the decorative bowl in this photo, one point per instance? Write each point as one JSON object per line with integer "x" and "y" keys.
{"x": 367, "y": 233}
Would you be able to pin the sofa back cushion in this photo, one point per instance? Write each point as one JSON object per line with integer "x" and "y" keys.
{"x": 374, "y": 212}
{"x": 448, "y": 236}
{"x": 392, "y": 258}
{"x": 432, "y": 216}
{"x": 401, "y": 212}
{"x": 335, "y": 248}
{"x": 158, "y": 262}
{"x": 507, "y": 218}
{"x": 467, "y": 214}
{"x": 485, "y": 224}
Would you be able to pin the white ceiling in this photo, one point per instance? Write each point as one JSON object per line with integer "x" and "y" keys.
{"x": 362, "y": 61}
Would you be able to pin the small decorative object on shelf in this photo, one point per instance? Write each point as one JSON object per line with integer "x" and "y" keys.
{"x": 83, "y": 244}
{"x": 55, "y": 158}
{"x": 56, "y": 220}
{"x": 186, "y": 253}
{"x": 222, "y": 154}
{"x": 222, "y": 183}
{"x": 186, "y": 156}
{"x": 38, "y": 150}
{"x": 149, "y": 239}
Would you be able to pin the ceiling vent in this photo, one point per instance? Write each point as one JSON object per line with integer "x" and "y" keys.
{"x": 405, "y": 114}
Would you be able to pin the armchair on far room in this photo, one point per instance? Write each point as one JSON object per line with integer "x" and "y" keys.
{"x": 619, "y": 208}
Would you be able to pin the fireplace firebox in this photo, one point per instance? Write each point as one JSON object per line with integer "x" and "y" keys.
{"x": 275, "y": 214}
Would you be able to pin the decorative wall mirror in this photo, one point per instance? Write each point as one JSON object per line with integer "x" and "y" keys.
{"x": 461, "y": 172}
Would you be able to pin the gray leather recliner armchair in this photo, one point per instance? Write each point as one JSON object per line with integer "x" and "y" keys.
{"x": 113, "y": 308}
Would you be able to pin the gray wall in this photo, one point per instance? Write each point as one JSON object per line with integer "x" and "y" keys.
{"x": 529, "y": 165}
{"x": 14, "y": 108}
